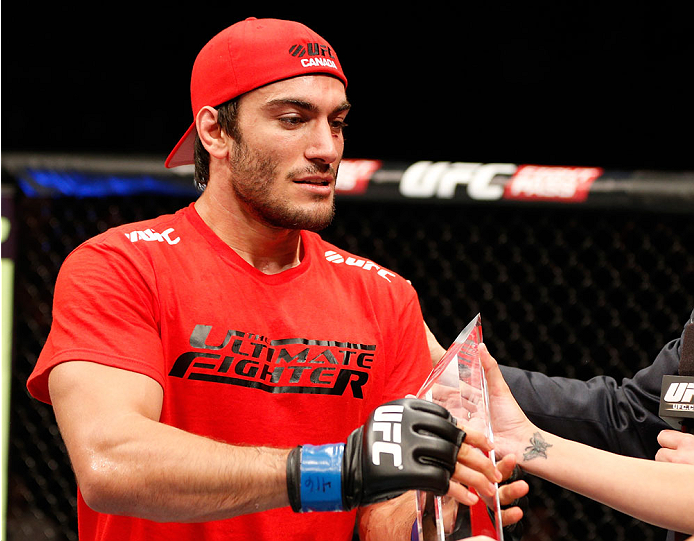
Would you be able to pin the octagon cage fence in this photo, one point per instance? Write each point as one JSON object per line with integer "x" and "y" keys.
{"x": 575, "y": 272}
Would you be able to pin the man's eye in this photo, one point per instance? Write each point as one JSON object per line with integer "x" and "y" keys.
{"x": 291, "y": 120}
{"x": 338, "y": 125}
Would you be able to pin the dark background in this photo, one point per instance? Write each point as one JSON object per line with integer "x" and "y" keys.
{"x": 561, "y": 83}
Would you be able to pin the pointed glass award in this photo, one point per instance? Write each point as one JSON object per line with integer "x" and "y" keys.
{"x": 457, "y": 383}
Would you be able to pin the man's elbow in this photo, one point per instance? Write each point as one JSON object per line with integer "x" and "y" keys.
{"x": 102, "y": 487}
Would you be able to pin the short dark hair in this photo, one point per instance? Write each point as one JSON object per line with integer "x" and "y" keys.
{"x": 227, "y": 119}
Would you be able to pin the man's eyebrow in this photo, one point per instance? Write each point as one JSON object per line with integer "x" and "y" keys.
{"x": 344, "y": 106}
{"x": 306, "y": 105}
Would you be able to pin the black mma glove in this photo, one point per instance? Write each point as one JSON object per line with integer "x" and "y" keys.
{"x": 406, "y": 444}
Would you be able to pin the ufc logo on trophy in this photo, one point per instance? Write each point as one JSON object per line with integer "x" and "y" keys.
{"x": 387, "y": 421}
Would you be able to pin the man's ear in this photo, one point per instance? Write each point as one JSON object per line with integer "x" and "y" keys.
{"x": 211, "y": 135}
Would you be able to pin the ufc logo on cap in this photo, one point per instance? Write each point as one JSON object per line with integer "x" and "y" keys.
{"x": 387, "y": 421}
{"x": 313, "y": 49}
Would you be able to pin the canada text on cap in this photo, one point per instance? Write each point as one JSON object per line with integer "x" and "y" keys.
{"x": 247, "y": 55}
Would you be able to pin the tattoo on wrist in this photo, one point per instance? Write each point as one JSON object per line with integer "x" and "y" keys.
{"x": 537, "y": 448}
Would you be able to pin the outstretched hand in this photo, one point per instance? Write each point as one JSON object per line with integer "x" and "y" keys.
{"x": 511, "y": 426}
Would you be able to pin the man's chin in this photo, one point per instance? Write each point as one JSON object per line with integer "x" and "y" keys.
{"x": 310, "y": 220}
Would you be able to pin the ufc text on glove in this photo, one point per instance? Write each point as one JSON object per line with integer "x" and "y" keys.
{"x": 406, "y": 444}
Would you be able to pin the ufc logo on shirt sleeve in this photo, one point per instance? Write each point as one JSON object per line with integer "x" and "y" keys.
{"x": 387, "y": 421}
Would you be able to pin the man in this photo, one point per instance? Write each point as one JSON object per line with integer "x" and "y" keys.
{"x": 212, "y": 368}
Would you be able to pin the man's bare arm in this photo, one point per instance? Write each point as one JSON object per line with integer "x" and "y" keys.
{"x": 128, "y": 463}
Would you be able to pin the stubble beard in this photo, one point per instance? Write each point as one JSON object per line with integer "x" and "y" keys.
{"x": 253, "y": 178}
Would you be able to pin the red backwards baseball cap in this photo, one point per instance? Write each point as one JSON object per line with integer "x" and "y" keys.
{"x": 246, "y": 56}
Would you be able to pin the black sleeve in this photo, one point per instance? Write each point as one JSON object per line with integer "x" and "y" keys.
{"x": 599, "y": 412}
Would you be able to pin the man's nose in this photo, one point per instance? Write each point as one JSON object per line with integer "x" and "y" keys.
{"x": 325, "y": 145}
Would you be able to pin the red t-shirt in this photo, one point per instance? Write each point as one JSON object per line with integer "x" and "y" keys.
{"x": 299, "y": 357}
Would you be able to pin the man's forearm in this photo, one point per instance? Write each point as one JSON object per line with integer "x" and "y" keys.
{"x": 164, "y": 474}
{"x": 128, "y": 463}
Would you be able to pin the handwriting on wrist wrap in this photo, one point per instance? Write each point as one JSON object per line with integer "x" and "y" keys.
{"x": 537, "y": 448}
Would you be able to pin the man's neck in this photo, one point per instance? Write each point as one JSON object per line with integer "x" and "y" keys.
{"x": 268, "y": 249}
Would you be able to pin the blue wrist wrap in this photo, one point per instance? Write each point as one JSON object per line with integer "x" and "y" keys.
{"x": 321, "y": 477}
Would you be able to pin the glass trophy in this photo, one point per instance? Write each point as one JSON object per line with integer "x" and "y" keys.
{"x": 457, "y": 383}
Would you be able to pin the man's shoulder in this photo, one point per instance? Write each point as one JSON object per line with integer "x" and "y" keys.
{"x": 130, "y": 243}
{"x": 162, "y": 229}
{"x": 354, "y": 266}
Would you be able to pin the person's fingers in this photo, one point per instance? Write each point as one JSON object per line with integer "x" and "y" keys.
{"x": 512, "y": 491}
{"x": 475, "y": 438}
{"x": 470, "y": 406}
{"x": 506, "y": 466}
{"x": 670, "y": 438}
{"x": 472, "y": 457}
{"x": 511, "y": 515}
{"x": 470, "y": 393}
{"x": 462, "y": 494}
{"x": 495, "y": 380}
{"x": 477, "y": 471}
{"x": 677, "y": 447}
{"x": 666, "y": 455}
